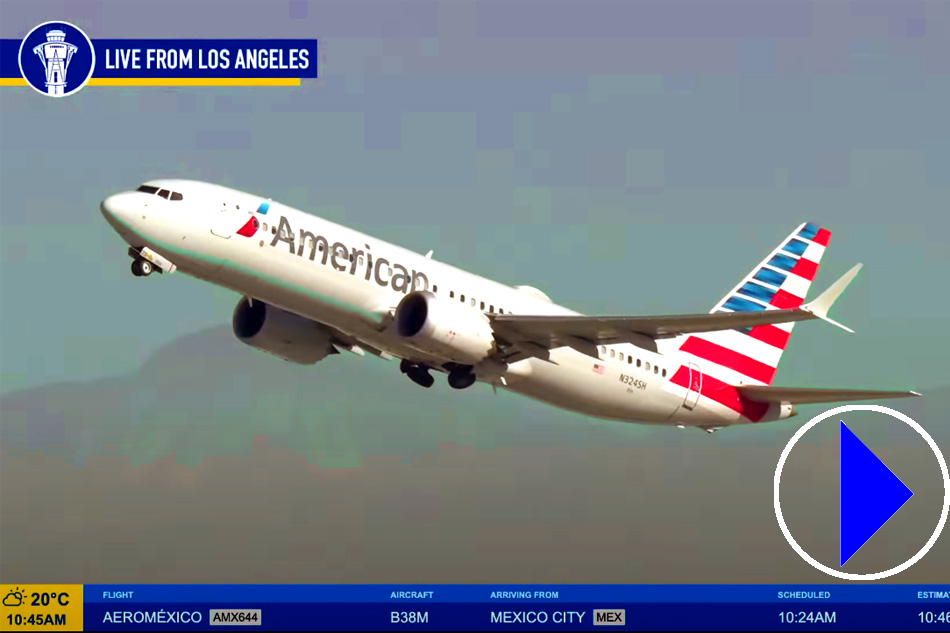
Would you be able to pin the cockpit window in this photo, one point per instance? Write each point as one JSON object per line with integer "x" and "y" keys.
{"x": 165, "y": 193}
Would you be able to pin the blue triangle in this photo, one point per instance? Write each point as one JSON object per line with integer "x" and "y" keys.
{"x": 870, "y": 494}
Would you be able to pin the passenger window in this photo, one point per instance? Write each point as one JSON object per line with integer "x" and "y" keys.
{"x": 462, "y": 298}
{"x": 265, "y": 227}
{"x": 500, "y": 311}
{"x": 648, "y": 367}
{"x": 603, "y": 350}
{"x": 361, "y": 257}
{"x": 664, "y": 373}
{"x": 483, "y": 305}
{"x": 176, "y": 196}
{"x": 451, "y": 294}
{"x": 273, "y": 230}
{"x": 621, "y": 355}
{"x": 656, "y": 369}
{"x": 638, "y": 362}
{"x": 613, "y": 353}
{"x": 435, "y": 288}
{"x": 491, "y": 308}
{"x": 473, "y": 302}
{"x": 629, "y": 360}
{"x": 164, "y": 193}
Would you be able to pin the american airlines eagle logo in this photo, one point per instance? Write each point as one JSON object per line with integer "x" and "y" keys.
{"x": 250, "y": 228}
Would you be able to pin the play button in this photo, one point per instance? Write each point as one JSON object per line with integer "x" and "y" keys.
{"x": 870, "y": 494}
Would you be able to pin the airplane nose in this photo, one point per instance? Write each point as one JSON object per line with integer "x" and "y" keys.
{"x": 115, "y": 208}
{"x": 108, "y": 207}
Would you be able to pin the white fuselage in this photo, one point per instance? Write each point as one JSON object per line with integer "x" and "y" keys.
{"x": 350, "y": 281}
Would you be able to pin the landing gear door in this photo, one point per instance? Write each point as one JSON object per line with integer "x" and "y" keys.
{"x": 695, "y": 387}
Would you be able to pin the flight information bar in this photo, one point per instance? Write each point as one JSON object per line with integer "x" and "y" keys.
{"x": 782, "y": 594}
{"x": 477, "y": 607}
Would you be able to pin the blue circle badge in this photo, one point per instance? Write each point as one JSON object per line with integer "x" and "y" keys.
{"x": 57, "y": 59}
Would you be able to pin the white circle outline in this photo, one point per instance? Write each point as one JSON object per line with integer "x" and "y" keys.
{"x": 946, "y": 492}
{"x": 92, "y": 66}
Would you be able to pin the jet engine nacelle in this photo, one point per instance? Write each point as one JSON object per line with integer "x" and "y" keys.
{"x": 443, "y": 328}
{"x": 281, "y": 333}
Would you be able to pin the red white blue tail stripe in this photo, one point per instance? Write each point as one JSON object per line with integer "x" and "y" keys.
{"x": 750, "y": 356}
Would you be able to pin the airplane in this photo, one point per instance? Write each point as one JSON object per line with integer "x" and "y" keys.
{"x": 312, "y": 288}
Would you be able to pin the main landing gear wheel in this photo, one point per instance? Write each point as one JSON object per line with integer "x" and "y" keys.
{"x": 461, "y": 379}
{"x": 142, "y": 267}
{"x": 421, "y": 376}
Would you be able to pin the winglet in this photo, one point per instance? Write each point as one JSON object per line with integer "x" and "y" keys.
{"x": 820, "y": 306}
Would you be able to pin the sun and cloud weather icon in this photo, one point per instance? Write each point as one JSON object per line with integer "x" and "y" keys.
{"x": 14, "y": 598}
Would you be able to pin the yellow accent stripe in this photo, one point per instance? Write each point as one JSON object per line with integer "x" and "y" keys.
{"x": 184, "y": 81}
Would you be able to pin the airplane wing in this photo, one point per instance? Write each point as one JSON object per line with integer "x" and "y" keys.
{"x": 797, "y": 395}
{"x": 616, "y": 329}
{"x": 587, "y": 331}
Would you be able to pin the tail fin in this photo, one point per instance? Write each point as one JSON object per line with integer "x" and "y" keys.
{"x": 750, "y": 356}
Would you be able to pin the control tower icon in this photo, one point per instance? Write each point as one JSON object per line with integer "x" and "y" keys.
{"x": 55, "y": 54}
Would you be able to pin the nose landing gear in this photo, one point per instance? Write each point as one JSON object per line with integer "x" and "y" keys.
{"x": 142, "y": 267}
{"x": 145, "y": 261}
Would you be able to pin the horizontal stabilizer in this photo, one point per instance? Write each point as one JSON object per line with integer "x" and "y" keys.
{"x": 805, "y": 395}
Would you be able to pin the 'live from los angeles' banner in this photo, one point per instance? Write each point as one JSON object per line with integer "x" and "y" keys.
{"x": 58, "y": 59}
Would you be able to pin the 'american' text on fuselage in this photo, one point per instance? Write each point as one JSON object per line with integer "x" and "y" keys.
{"x": 346, "y": 259}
